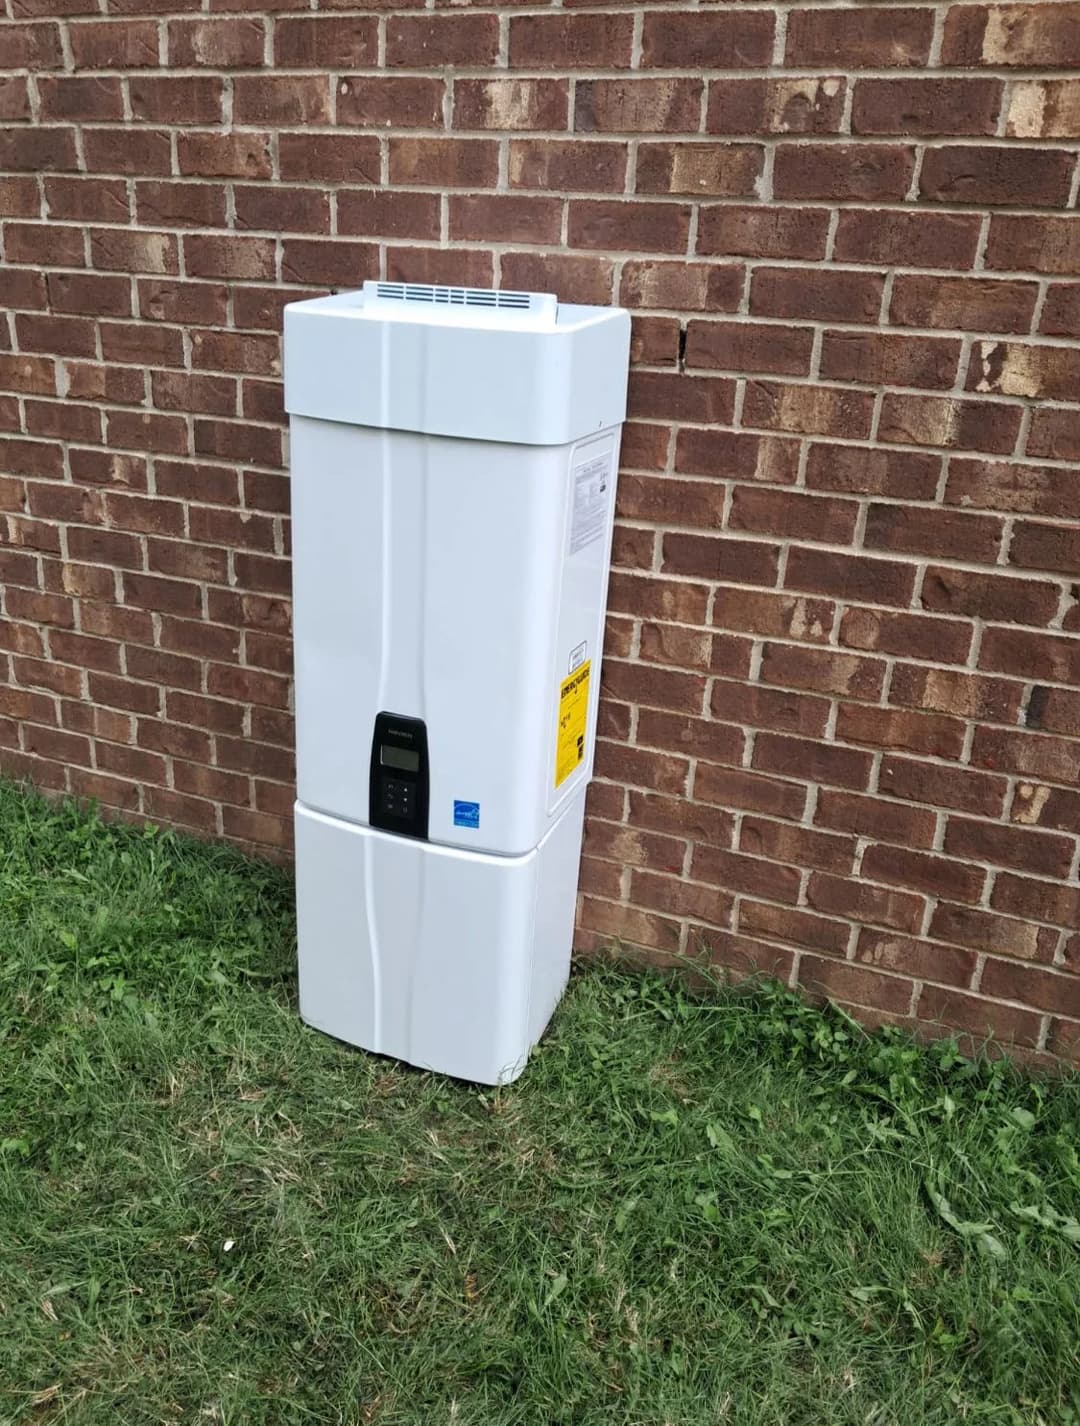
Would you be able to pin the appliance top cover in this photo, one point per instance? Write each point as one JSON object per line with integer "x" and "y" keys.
{"x": 477, "y": 363}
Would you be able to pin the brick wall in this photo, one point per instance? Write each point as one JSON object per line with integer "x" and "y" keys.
{"x": 841, "y": 724}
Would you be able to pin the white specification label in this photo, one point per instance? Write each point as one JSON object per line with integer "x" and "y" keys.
{"x": 591, "y": 481}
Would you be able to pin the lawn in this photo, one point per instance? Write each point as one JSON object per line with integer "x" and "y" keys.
{"x": 694, "y": 1207}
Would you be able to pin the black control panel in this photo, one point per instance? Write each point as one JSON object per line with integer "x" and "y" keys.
{"x": 398, "y": 788}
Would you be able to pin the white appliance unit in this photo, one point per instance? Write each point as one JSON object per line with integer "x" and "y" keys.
{"x": 454, "y": 456}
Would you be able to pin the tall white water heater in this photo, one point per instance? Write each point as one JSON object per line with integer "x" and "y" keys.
{"x": 454, "y": 456}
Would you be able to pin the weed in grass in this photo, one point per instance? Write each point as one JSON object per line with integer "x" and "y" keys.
{"x": 694, "y": 1207}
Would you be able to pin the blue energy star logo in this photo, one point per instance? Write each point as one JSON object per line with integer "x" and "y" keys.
{"x": 466, "y": 814}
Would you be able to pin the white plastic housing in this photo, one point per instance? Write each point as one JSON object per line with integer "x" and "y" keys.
{"x": 449, "y": 960}
{"x": 454, "y": 457}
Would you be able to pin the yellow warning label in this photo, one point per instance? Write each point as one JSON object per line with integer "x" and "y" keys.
{"x": 573, "y": 720}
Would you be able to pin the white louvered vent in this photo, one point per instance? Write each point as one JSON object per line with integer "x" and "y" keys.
{"x": 538, "y": 305}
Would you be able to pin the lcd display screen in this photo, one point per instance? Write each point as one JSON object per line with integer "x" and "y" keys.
{"x": 405, "y": 759}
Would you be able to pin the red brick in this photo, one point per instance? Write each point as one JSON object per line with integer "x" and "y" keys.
{"x": 453, "y": 163}
{"x": 860, "y": 901}
{"x": 808, "y": 410}
{"x": 19, "y": 196}
{"x": 1055, "y": 435}
{"x": 800, "y": 928}
{"x": 894, "y": 728}
{"x": 28, "y": 242}
{"x": 1041, "y": 244}
{"x": 721, "y": 40}
{"x": 1061, "y": 310}
{"x": 131, "y": 151}
{"x": 775, "y": 106}
{"x": 81, "y": 97}
{"x": 947, "y": 422}
{"x": 945, "y": 964}
{"x": 177, "y": 99}
{"x": 326, "y": 42}
{"x": 988, "y": 596}
{"x": 333, "y": 158}
{"x": 569, "y": 41}
{"x": 114, "y": 44}
{"x": 763, "y": 232}
{"x": 681, "y": 648}
{"x": 741, "y": 561}
{"x": 942, "y": 786}
{"x": 785, "y": 513}
{"x": 15, "y": 98}
{"x": 517, "y": 105}
{"x": 627, "y": 924}
{"x": 676, "y": 897}
{"x": 1022, "y": 848}
{"x": 738, "y": 455}
{"x": 875, "y": 581}
{"x": 614, "y": 226}
{"x": 844, "y": 981}
{"x": 697, "y": 737}
{"x": 1023, "y": 489}
{"x": 798, "y": 846}
{"x": 332, "y": 263}
{"x": 216, "y": 44}
{"x": 281, "y": 99}
{"x": 654, "y": 341}
{"x": 923, "y": 239}
{"x": 1001, "y": 176}
{"x": 910, "y": 475}
{"x": 845, "y": 172}
{"x": 135, "y": 342}
{"x": 744, "y": 874}
{"x": 1036, "y": 900}
{"x": 713, "y": 170}
{"x": 681, "y": 286}
{"x": 30, "y": 150}
{"x": 631, "y": 846}
{"x": 1054, "y": 709}
{"x": 552, "y": 164}
{"x": 822, "y": 671}
{"x": 912, "y": 636}
{"x": 815, "y": 762}
{"x": 631, "y": 765}
{"x": 372, "y": 212}
{"x": 1032, "y": 986}
{"x": 33, "y": 47}
{"x": 749, "y": 347}
{"x": 867, "y": 38}
{"x": 193, "y": 205}
{"x": 876, "y": 818}
{"x": 505, "y": 218}
{"x": 737, "y": 788}
{"x": 926, "y": 106}
{"x": 999, "y": 935}
{"x": 667, "y": 396}
{"x": 404, "y": 102}
{"x": 243, "y": 155}
{"x": 949, "y": 690}
{"x": 944, "y": 534}
{"x": 638, "y": 106}
{"x": 886, "y": 359}
{"x": 432, "y": 41}
{"x": 678, "y": 816}
{"x": 922, "y": 871}
{"x": 1029, "y": 35}
{"x": 1049, "y": 759}
{"x": 969, "y": 303}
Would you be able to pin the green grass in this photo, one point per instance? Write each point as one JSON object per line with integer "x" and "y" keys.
{"x": 693, "y": 1207}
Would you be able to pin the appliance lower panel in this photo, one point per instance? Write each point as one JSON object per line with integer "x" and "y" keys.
{"x": 448, "y": 959}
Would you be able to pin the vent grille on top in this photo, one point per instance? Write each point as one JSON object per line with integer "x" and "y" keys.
{"x": 453, "y": 296}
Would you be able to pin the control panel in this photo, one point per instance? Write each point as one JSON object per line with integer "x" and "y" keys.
{"x": 398, "y": 787}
